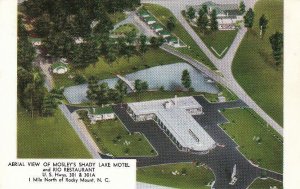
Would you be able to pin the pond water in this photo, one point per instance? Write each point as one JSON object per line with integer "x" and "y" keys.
{"x": 168, "y": 76}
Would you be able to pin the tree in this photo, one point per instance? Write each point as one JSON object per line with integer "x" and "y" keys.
{"x": 84, "y": 54}
{"x": 144, "y": 85}
{"x": 93, "y": 89}
{"x": 60, "y": 45}
{"x": 156, "y": 41}
{"x": 26, "y": 53}
{"x": 34, "y": 93}
{"x": 143, "y": 46}
{"x": 263, "y": 22}
{"x": 205, "y": 9}
{"x": 79, "y": 79}
{"x": 191, "y": 13}
{"x": 171, "y": 23}
{"x": 50, "y": 103}
{"x": 128, "y": 52}
{"x": 22, "y": 33}
{"x": 42, "y": 26}
{"x": 249, "y": 18}
{"x": 242, "y": 7}
{"x": 202, "y": 21}
{"x": 121, "y": 89}
{"x": 276, "y": 41}
{"x": 130, "y": 37}
{"x": 213, "y": 21}
{"x": 186, "y": 79}
{"x": 112, "y": 53}
{"x": 140, "y": 86}
{"x": 57, "y": 93}
{"x": 103, "y": 94}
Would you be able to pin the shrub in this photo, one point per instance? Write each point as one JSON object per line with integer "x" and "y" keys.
{"x": 183, "y": 171}
{"x": 80, "y": 79}
{"x": 126, "y": 150}
{"x": 119, "y": 137}
{"x": 162, "y": 89}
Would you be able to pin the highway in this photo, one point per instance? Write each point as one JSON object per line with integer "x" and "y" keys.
{"x": 224, "y": 65}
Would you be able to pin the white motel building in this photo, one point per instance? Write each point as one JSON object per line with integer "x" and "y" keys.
{"x": 174, "y": 117}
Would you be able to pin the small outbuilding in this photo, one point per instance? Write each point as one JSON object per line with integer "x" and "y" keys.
{"x": 59, "y": 68}
{"x": 143, "y": 13}
{"x": 102, "y": 113}
{"x": 156, "y": 27}
{"x": 164, "y": 33}
{"x": 150, "y": 20}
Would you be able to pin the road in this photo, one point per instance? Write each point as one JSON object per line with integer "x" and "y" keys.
{"x": 228, "y": 155}
{"x": 132, "y": 18}
{"x": 224, "y": 65}
{"x": 81, "y": 130}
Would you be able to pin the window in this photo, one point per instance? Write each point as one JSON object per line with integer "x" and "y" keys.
{"x": 194, "y": 135}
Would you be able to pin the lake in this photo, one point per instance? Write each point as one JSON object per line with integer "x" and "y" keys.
{"x": 168, "y": 76}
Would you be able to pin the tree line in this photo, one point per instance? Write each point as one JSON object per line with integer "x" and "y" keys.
{"x": 31, "y": 92}
{"x": 206, "y": 21}
{"x": 60, "y": 23}
{"x": 101, "y": 94}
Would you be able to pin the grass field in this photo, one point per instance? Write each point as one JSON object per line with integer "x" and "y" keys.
{"x": 163, "y": 14}
{"x": 219, "y": 40}
{"x": 117, "y": 17}
{"x": 111, "y": 137}
{"x": 245, "y": 128}
{"x": 103, "y": 70}
{"x": 154, "y": 95}
{"x": 266, "y": 184}
{"x": 196, "y": 177}
{"x": 253, "y": 66}
{"x": 124, "y": 29}
{"x": 50, "y": 137}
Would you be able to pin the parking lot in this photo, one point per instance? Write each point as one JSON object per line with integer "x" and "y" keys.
{"x": 221, "y": 159}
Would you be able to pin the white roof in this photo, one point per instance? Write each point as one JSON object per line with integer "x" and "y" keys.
{"x": 148, "y": 107}
{"x": 179, "y": 122}
{"x": 185, "y": 129}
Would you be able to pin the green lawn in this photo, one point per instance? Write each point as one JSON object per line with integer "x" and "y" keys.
{"x": 253, "y": 66}
{"x": 50, "y": 137}
{"x": 196, "y": 177}
{"x": 163, "y": 14}
{"x": 154, "y": 95}
{"x": 219, "y": 40}
{"x": 111, "y": 137}
{"x": 124, "y": 29}
{"x": 117, "y": 17}
{"x": 266, "y": 184}
{"x": 103, "y": 70}
{"x": 245, "y": 128}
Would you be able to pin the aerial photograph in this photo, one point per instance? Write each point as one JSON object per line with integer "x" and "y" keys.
{"x": 191, "y": 89}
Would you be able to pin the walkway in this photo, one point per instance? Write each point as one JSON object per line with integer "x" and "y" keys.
{"x": 130, "y": 84}
{"x": 224, "y": 65}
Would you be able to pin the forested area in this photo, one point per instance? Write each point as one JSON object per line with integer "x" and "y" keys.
{"x": 59, "y": 24}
